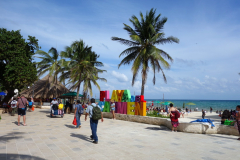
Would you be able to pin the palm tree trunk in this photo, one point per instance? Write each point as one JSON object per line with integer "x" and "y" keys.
{"x": 143, "y": 81}
{"x": 56, "y": 86}
{"x": 78, "y": 88}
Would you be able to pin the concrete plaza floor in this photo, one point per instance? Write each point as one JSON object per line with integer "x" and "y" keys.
{"x": 56, "y": 138}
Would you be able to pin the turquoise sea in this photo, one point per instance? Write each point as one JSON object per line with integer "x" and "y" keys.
{"x": 201, "y": 104}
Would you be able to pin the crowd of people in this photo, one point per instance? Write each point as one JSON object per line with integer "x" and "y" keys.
{"x": 93, "y": 110}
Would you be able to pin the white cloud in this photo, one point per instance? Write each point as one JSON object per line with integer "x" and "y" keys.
{"x": 120, "y": 76}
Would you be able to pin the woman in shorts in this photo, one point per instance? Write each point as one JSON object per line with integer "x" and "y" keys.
{"x": 113, "y": 109}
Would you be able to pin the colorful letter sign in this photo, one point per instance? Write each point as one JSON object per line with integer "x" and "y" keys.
{"x": 124, "y": 102}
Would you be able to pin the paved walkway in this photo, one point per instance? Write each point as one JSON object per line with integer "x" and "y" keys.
{"x": 56, "y": 138}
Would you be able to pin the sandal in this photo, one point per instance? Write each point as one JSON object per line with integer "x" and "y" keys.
{"x": 25, "y": 125}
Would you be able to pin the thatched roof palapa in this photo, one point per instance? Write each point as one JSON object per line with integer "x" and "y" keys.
{"x": 44, "y": 88}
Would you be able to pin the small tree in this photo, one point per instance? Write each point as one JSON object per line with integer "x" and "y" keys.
{"x": 17, "y": 69}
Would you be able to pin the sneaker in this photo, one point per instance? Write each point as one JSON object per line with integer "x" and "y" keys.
{"x": 95, "y": 142}
{"x": 91, "y": 137}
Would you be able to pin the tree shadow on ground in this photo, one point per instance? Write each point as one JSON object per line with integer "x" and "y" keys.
{"x": 19, "y": 156}
{"x": 80, "y": 136}
{"x": 221, "y": 136}
{"x": 70, "y": 126}
{"x": 161, "y": 128}
{"x": 10, "y": 136}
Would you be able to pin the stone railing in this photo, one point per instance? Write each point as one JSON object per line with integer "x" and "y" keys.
{"x": 183, "y": 126}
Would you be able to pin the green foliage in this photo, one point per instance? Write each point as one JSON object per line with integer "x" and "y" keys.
{"x": 82, "y": 67}
{"x": 49, "y": 63}
{"x": 142, "y": 51}
{"x": 17, "y": 69}
{"x": 155, "y": 114}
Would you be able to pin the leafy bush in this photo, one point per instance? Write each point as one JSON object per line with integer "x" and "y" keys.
{"x": 155, "y": 114}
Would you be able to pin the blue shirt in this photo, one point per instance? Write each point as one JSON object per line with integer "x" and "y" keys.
{"x": 78, "y": 107}
{"x": 89, "y": 109}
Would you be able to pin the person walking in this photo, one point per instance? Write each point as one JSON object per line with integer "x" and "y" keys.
{"x": 78, "y": 112}
{"x": 113, "y": 109}
{"x": 174, "y": 115}
{"x": 22, "y": 105}
{"x": 14, "y": 106}
{"x": 203, "y": 114}
{"x": 211, "y": 109}
{"x": 94, "y": 112}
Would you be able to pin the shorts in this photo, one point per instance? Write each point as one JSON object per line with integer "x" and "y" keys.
{"x": 113, "y": 109}
{"x": 21, "y": 111}
{"x": 30, "y": 106}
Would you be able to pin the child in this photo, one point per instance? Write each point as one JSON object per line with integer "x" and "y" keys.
{"x": 113, "y": 108}
{"x": 30, "y": 104}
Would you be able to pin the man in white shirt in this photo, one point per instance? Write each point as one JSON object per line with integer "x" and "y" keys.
{"x": 14, "y": 106}
{"x": 93, "y": 123}
{"x": 54, "y": 102}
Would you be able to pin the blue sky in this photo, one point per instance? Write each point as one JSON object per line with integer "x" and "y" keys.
{"x": 206, "y": 61}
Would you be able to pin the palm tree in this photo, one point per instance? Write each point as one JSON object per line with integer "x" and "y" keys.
{"x": 91, "y": 75}
{"x": 49, "y": 63}
{"x": 81, "y": 64}
{"x": 142, "y": 50}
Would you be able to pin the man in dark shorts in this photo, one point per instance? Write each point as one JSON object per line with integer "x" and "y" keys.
{"x": 21, "y": 104}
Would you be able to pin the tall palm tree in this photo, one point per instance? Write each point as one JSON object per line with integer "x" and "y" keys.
{"x": 49, "y": 63}
{"x": 92, "y": 75}
{"x": 81, "y": 62}
{"x": 142, "y": 51}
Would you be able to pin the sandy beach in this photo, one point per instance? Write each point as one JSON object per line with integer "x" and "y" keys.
{"x": 198, "y": 115}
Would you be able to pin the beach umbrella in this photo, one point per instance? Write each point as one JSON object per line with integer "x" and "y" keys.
{"x": 156, "y": 102}
{"x": 170, "y": 102}
{"x": 3, "y": 94}
{"x": 190, "y": 104}
{"x": 165, "y": 103}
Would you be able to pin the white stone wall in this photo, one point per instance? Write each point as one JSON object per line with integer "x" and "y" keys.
{"x": 183, "y": 126}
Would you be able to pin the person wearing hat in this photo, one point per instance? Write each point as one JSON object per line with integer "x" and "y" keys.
{"x": 54, "y": 102}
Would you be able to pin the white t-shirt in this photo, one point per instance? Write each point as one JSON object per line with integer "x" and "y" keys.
{"x": 14, "y": 104}
{"x": 54, "y": 102}
{"x": 113, "y": 105}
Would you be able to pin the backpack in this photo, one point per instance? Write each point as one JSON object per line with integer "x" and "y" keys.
{"x": 96, "y": 113}
{"x": 80, "y": 109}
{"x": 29, "y": 103}
{"x": 177, "y": 115}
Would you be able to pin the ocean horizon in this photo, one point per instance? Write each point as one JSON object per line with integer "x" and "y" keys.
{"x": 201, "y": 104}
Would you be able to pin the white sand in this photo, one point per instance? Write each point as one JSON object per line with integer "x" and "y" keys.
{"x": 198, "y": 115}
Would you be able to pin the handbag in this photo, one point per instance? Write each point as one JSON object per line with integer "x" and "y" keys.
{"x": 74, "y": 121}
